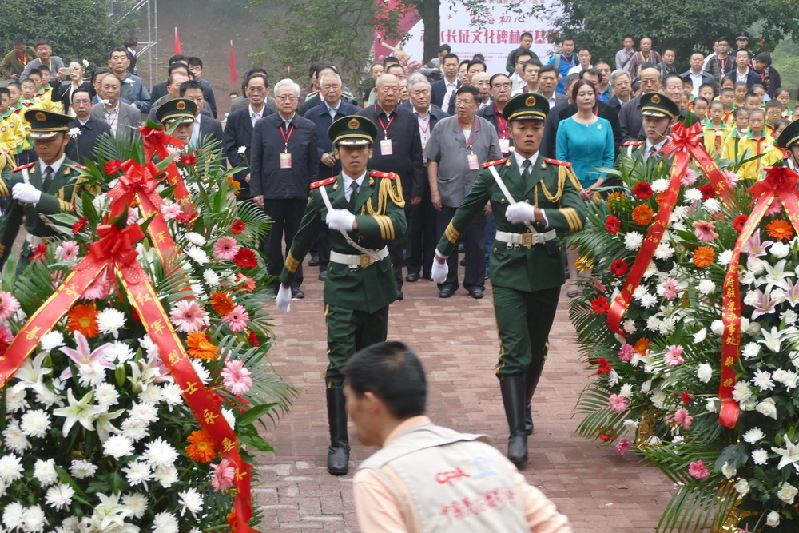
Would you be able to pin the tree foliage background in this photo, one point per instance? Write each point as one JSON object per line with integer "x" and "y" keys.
{"x": 676, "y": 24}
{"x": 84, "y": 29}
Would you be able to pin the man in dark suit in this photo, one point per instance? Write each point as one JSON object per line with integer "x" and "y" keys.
{"x": 82, "y": 145}
{"x": 239, "y": 126}
{"x": 159, "y": 90}
{"x": 548, "y": 82}
{"x": 698, "y": 76}
{"x": 205, "y": 127}
{"x": 283, "y": 165}
{"x": 196, "y": 70}
{"x": 630, "y": 119}
{"x": 323, "y": 115}
{"x": 443, "y": 91}
{"x": 742, "y": 73}
{"x": 398, "y": 149}
{"x": 422, "y": 217}
{"x": 123, "y": 118}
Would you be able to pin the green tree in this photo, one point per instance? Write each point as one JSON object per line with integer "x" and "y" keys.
{"x": 676, "y": 24}
{"x": 84, "y": 29}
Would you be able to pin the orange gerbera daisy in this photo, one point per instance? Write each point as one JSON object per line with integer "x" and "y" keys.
{"x": 200, "y": 448}
{"x": 83, "y": 318}
{"x": 642, "y": 215}
{"x": 200, "y": 346}
{"x": 780, "y": 229}
{"x": 641, "y": 346}
{"x": 246, "y": 283}
{"x": 222, "y": 303}
{"x": 703, "y": 256}
{"x": 234, "y": 185}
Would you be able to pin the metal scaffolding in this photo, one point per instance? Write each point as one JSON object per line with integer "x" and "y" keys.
{"x": 148, "y": 50}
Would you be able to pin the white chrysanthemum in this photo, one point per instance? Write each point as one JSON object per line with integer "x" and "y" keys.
{"x": 741, "y": 392}
{"x": 144, "y": 411}
{"x": 712, "y": 205}
{"x": 195, "y": 238}
{"x": 35, "y": 423}
{"x": 788, "y": 378}
{"x": 52, "y": 340}
{"x": 639, "y": 292}
{"x": 15, "y": 439}
{"x": 197, "y": 255}
{"x": 767, "y": 408}
{"x": 678, "y": 213}
{"x": 660, "y": 185}
{"x": 787, "y": 493}
{"x": 33, "y": 519}
{"x": 751, "y": 297}
{"x": 119, "y": 352}
{"x": 160, "y": 453}
{"x": 166, "y": 476}
{"x": 135, "y": 505}
{"x": 138, "y": 472}
{"x": 724, "y": 258}
{"x": 693, "y": 195}
{"x": 762, "y": 380}
{"x": 653, "y": 323}
{"x": 172, "y": 394}
{"x": 148, "y": 346}
{"x": 82, "y": 469}
{"x": 211, "y": 278}
{"x": 706, "y": 286}
{"x": 201, "y": 371}
{"x": 241, "y": 149}
{"x": 664, "y": 251}
{"x": 15, "y": 399}
{"x": 626, "y": 390}
{"x": 779, "y": 249}
{"x": 118, "y": 446}
{"x": 789, "y": 316}
{"x": 753, "y": 435}
{"x": 760, "y": 457}
{"x": 12, "y": 516}
{"x": 45, "y": 472}
{"x": 704, "y": 372}
{"x": 742, "y": 487}
{"x": 60, "y": 496}
{"x": 700, "y": 335}
{"x": 651, "y": 270}
{"x": 630, "y": 425}
{"x": 755, "y": 265}
{"x": 659, "y": 398}
{"x": 110, "y": 321}
{"x": 191, "y": 500}
{"x": 231, "y": 418}
{"x": 135, "y": 429}
{"x": 165, "y": 523}
{"x": 667, "y": 326}
{"x": 101, "y": 203}
{"x": 648, "y": 300}
{"x": 106, "y": 395}
{"x": 150, "y": 395}
{"x": 750, "y": 349}
{"x": 633, "y": 241}
{"x": 629, "y": 326}
{"x": 68, "y": 525}
{"x": 10, "y": 468}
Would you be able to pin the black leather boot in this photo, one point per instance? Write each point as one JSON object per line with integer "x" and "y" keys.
{"x": 513, "y": 395}
{"x": 338, "y": 454}
{"x": 531, "y": 377}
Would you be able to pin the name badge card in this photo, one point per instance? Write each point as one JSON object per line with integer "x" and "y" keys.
{"x": 386, "y": 147}
{"x": 285, "y": 160}
{"x": 474, "y": 164}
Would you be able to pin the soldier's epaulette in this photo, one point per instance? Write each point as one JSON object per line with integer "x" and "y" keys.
{"x": 23, "y": 167}
{"x": 328, "y": 181}
{"x": 492, "y": 163}
{"x": 556, "y": 162}
{"x": 388, "y": 175}
{"x": 633, "y": 143}
{"x": 79, "y": 167}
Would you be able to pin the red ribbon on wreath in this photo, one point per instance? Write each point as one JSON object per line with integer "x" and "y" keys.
{"x": 779, "y": 185}
{"x": 115, "y": 250}
{"x": 686, "y": 143}
{"x": 156, "y": 141}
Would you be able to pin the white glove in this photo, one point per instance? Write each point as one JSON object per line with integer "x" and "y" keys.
{"x": 283, "y": 299}
{"x": 25, "y": 192}
{"x": 439, "y": 271}
{"x": 340, "y": 219}
{"x": 520, "y": 212}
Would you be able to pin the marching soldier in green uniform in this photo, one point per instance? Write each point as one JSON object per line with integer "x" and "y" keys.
{"x": 47, "y": 186}
{"x": 533, "y": 199}
{"x": 363, "y": 211}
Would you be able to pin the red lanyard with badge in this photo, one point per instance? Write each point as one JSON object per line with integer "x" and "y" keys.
{"x": 386, "y": 146}
{"x": 502, "y": 131}
{"x": 112, "y": 116}
{"x": 424, "y": 129}
{"x": 285, "y": 157}
{"x": 471, "y": 157}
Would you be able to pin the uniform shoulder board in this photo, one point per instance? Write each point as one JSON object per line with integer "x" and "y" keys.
{"x": 633, "y": 143}
{"x": 23, "y": 167}
{"x": 492, "y": 163}
{"x": 556, "y": 162}
{"x": 388, "y": 175}
{"x": 79, "y": 167}
{"x": 328, "y": 181}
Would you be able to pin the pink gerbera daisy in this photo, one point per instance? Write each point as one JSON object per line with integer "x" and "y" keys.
{"x": 237, "y": 319}
{"x": 705, "y": 231}
{"x": 626, "y": 353}
{"x": 101, "y": 286}
{"x": 682, "y": 417}
{"x": 671, "y": 289}
{"x": 8, "y": 305}
{"x": 170, "y": 211}
{"x": 224, "y": 473}
{"x": 226, "y": 248}
{"x": 187, "y": 316}
{"x": 674, "y": 355}
{"x": 67, "y": 251}
{"x": 689, "y": 178}
{"x": 618, "y": 403}
{"x": 236, "y": 377}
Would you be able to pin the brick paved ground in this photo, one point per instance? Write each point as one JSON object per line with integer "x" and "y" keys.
{"x": 599, "y": 490}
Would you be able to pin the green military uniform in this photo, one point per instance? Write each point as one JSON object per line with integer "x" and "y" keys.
{"x": 787, "y": 140}
{"x": 360, "y": 280}
{"x": 526, "y": 263}
{"x": 57, "y": 195}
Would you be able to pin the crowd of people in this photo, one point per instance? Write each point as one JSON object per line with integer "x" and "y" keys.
{"x": 387, "y": 183}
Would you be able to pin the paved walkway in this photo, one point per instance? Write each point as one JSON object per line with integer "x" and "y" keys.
{"x": 599, "y": 490}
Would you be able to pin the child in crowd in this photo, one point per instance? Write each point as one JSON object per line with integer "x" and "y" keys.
{"x": 700, "y": 108}
{"x": 715, "y": 130}
{"x": 784, "y": 97}
{"x": 755, "y": 143}
{"x": 753, "y": 101}
{"x": 773, "y": 114}
{"x": 740, "y": 95}
{"x": 727, "y": 99}
{"x": 780, "y": 125}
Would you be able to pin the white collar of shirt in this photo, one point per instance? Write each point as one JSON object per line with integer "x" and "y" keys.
{"x": 348, "y": 183}
{"x": 287, "y": 122}
{"x": 254, "y": 112}
{"x": 55, "y": 165}
{"x": 648, "y": 146}
{"x": 520, "y": 159}
{"x": 552, "y": 100}
{"x": 82, "y": 123}
{"x": 333, "y": 110}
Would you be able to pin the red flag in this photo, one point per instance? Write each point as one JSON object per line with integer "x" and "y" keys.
{"x": 233, "y": 76}
{"x": 178, "y": 48}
